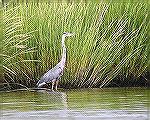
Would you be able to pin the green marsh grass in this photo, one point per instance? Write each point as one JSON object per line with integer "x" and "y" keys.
{"x": 111, "y": 40}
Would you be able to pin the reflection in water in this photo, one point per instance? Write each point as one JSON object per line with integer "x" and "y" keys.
{"x": 85, "y": 104}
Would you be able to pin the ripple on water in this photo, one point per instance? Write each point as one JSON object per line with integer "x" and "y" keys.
{"x": 76, "y": 115}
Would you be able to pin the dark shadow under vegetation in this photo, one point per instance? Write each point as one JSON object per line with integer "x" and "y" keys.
{"x": 119, "y": 81}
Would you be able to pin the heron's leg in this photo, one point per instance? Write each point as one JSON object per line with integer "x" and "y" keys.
{"x": 53, "y": 82}
{"x": 57, "y": 81}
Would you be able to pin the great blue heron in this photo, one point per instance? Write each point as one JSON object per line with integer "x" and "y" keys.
{"x": 54, "y": 74}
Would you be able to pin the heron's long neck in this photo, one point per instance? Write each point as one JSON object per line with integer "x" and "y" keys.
{"x": 63, "y": 59}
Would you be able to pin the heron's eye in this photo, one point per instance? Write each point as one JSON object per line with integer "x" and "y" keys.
{"x": 64, "y": 33}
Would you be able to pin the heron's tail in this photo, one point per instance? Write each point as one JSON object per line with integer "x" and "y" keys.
{"x": 40, "y": 84}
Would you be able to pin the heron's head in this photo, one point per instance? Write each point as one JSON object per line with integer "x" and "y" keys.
{"x": 66, "y": 34}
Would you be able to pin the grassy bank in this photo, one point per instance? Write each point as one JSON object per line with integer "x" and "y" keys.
{"x": 111, "y": 42}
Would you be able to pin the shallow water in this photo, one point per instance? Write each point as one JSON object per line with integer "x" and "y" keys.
{"x": 84, "y": 104}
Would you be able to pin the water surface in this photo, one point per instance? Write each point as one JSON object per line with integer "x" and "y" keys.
{"x": 83, "y": 104}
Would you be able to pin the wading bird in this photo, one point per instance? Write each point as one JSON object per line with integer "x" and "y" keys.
{"x": 54, "y": 74}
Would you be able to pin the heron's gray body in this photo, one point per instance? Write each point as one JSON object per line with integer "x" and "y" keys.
{"x": 50, "y": 75}
{"x": 55, "y": 73}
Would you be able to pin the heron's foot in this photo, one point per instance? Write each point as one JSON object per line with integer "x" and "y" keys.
{"x": 57, "y": 90}
{"x": 52, "y": 90}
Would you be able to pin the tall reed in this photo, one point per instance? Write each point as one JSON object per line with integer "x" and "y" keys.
{"x": 111, "y": 39}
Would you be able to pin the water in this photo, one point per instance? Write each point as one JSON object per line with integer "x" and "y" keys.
{"x": 84, "y": 104}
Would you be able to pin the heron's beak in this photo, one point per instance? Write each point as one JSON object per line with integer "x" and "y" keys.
{"x": 73, "y": 34}
{"x": 70, "y": 34}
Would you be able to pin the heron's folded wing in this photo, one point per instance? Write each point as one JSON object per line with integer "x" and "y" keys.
{"x": 51, "y": 74}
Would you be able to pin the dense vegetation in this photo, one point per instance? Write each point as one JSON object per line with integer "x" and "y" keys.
{"x": 111, "y": 42}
